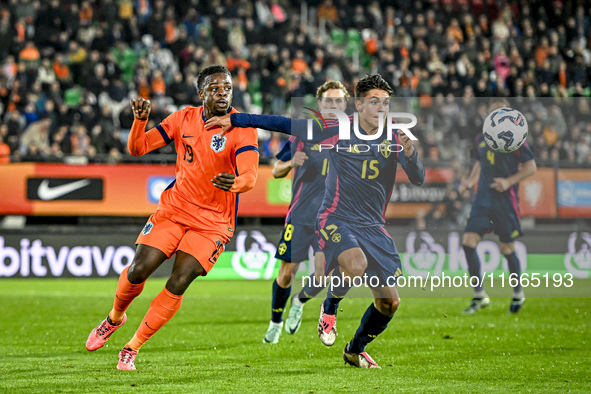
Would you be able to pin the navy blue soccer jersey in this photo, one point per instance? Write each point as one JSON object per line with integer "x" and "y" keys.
{"x": 495, "y": 164}
{"x": 307, "y": 182}
{"x": 362, "y": 173}
{"x": 359, "y": 188}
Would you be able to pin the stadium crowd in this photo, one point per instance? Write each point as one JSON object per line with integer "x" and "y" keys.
{"x": 68, "y": 68}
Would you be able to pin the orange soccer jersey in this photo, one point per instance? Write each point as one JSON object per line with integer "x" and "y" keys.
{"x": 192, "y": 200}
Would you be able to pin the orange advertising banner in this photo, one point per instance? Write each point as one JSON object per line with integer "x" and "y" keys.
{"x": 134, "y": 189}
{"x": 537, "y": 195}
{"x": 128, "y": 190}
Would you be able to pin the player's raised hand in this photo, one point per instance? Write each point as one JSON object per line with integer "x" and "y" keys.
{"x": 141, "y": 108}
{"x": 298, "y": 159}
{"x": 406, "y": 143}
{"x": 224, "y": 181}
{"x": 223, "y": 121}
{"x": 463, "y": 186}
{"x": 500, "y": 184}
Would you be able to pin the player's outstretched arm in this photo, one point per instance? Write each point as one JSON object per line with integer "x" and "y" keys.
{"x": 472, "y": 178}
{"x": 281, "y": 124}
{"x": 410, "y": 161}
{"x": 528, "y": 169}
{"x": 140, "y": 142}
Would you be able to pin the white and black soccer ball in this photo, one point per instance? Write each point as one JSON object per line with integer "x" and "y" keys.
{"x": 505, "y": 130}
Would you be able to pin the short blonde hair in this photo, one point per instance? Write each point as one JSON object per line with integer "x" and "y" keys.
{"x": 500, "y": 100}
{"x": 331, "y": 85}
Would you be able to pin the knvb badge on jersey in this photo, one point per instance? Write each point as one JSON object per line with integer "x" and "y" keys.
{"x": 72, "y": 189}
{"x": 218, "y": 144}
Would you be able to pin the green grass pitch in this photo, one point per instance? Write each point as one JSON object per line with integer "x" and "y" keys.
{"x": 214, "y": 344}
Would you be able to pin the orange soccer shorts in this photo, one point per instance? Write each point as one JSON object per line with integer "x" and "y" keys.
{"x": 165, "y": 234}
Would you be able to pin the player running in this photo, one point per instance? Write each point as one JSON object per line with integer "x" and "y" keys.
{"x": 196, "y": 215}
{"x": 310, "y": 166}
{"x": 496, "y": 208}
{"x": 352, "y": 216}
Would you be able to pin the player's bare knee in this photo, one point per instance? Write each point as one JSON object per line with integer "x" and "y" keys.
{"x": 507, "y": 248}
{"x": 285, "y": 275}
{"x": 137, "y": 272}
{"x": 196, "y": 270}
{"x": 471, "y": 240}
{"x": 146, "y": 260}
{"x": 284, "y": 278}
{"x": 356, "y": 267}
{"x": 352, "y": 262}
{"x": 387, "y": 306}
{"x": 181, "y": 278}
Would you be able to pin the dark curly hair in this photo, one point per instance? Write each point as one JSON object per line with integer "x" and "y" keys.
{"x": 370, "y": 82}
{"x": 207, "y": 71}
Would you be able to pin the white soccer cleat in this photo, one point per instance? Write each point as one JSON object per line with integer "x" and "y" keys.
{"x": 273, "y": 332}
{"x": 327, "y": 327}
{"x": 360, "y": 360}
{"x": 294, "y": 319}
{"x": 476, "y": 305}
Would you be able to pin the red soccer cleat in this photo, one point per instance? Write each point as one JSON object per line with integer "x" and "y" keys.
{"x": 359, "y": 360}
{"x": 101, "y": 333}
{"x": 126, "y": 360}
{"x": 327, "y": 327}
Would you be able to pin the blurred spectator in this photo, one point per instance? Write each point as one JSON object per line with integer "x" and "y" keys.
{"x": 61, "y": 144}
{"x": 62, "y": 71}
{"x": 105, "y": 137}
{"x": 449, "y": 214}
{"x": 34, "y": 142}
{"x": 84, "y": 55}
{"x": 30, "y": 56}
{"x": 328, "y": 11}
{"x": 272, "y": 146}
{"x": 4, "y": 148}
{"x": 81, "y": 145}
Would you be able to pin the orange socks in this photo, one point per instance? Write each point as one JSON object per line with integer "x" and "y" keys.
{"x": 162, "y": 309}
{"x": 126, "y": 292}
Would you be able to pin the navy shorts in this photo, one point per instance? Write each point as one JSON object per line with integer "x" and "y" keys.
{"x": 295, "y": 242}
{"x": 503, "y": 221}
{"x": 382, "y": 256}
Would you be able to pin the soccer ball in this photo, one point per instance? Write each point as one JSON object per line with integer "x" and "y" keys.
{"x": 505, "y": 130}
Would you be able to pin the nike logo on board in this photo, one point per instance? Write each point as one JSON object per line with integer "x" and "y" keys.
{"x": 48, "y": 193}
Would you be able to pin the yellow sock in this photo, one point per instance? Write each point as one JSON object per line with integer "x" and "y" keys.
{"x": 135, "y": 344}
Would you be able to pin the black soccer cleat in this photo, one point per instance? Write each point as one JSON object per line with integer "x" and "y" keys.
{"x": 516, "y": 305}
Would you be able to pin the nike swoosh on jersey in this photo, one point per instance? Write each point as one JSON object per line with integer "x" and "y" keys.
{"x": 188, "y": 136}
{"x": 47, "y": 193}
